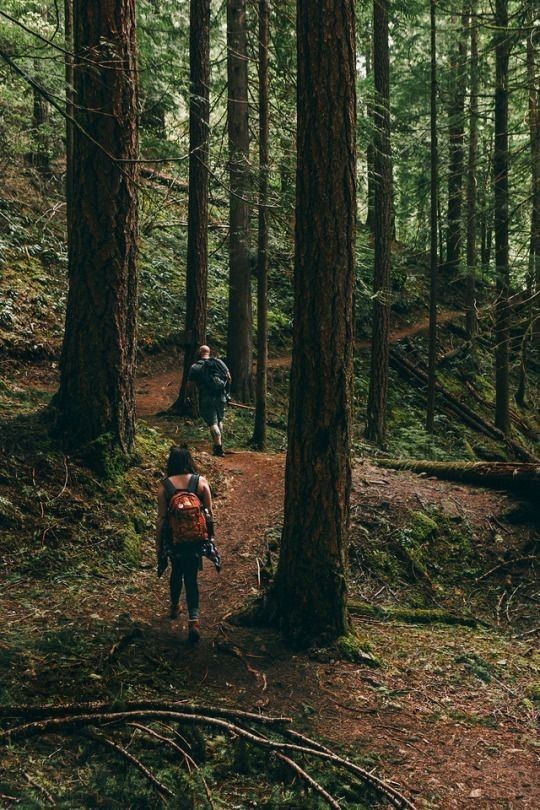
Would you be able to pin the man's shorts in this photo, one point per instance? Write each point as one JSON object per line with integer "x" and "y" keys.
{"x": 212, "y": 410}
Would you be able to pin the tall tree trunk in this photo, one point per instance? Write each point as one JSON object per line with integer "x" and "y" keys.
{"x": 95, "y": 401}
{"x": 456, "y": 134}
{"x": 239, "y": 340}
{"x": 486, "y": 209}
{"x": 382, "y": 164}
{"x": 471, "y": 319}
{"x": 197, "y": 247}
{"x": 259, "y": 432}
{"x": 534, "y": 130}
{"x": 310, "y": 586}
{"x": 70, "y": 108}
{"x": 500, "y": 177}
{"x": 434, "y": 258}
{"x": 40, "y": 120}
{"x": 532, "y": 317}
{"x": 370, "y": 217}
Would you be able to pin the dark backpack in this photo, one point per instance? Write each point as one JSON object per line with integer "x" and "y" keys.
{"x": 214, "y": 376}
{"x": 185, "y": 513}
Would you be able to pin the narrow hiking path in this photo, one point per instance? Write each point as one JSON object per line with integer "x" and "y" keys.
{"x": 156, "y": 390}
{"x": 441, "y": 734}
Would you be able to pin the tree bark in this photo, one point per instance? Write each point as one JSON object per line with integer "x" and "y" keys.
{"x": 456, "y": 135}
{"x": 532, "y": 318}
{"x": 382, "y": 165}
{"x": 259, "y": 431}
{"x": 310, "y": 588}
{"x": 239, "y": 340}
{"x": 40, "y": 119}
{"x": 95, "y": 401}
{"x": 70, "y": 109}
{"x": 500, "y": 177}
{"x": 434, "y": 209}
{"x": 470, "y": 303}
{"x": 197, "y": 247}
{"x": 370, "y": 217}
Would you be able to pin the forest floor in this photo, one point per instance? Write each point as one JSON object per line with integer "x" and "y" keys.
{"x": 450, "y": 717}
{"x": 446, "y": 733}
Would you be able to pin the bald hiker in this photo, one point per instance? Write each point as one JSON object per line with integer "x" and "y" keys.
{"x": 213, "y": 379}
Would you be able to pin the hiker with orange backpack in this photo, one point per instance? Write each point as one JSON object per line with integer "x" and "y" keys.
{"x": 185, "y": 532}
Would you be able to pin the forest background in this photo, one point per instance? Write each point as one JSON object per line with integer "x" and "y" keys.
{"x": 448, "y": 188}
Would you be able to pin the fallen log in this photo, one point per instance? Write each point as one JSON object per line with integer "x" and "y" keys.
{"x": 493, "y": 474}
{"x": 418, "y": 377}
{"x": 409, "y": 615}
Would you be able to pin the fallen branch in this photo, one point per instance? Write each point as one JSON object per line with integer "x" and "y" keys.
{"x": 505, "y": 564}
{"x": 308, "y": 779}
{"x": 70, "y": 724}
{"x": 159, "y": 786}
{"x": 234, "y": 404}
{"x": 394, "y": 796}
{"x": 98, "y": 707}
{"x": 174, "y": 745}
{"x": 43, "y": 789}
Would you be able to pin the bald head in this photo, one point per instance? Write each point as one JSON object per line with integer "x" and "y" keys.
{"x": 204, "y": 351}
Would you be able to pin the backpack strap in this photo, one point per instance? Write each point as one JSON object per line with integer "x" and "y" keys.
{"x": 222, "y": 365}
{"x": 169, "y": 487}
{"x": 193, "y": 483}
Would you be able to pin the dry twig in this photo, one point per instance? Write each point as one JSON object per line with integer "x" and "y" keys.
{"x": 160, "y": 787}
{"x": 308, "y": 779}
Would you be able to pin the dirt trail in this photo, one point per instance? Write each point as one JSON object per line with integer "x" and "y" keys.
{"x": 443, "y": 737}
{"x": 157, "y": 391}
{"x": 395, "y": 335}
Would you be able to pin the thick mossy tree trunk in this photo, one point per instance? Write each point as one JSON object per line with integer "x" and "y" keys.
{"x": 239, "y": 338}
{"x": 456, "y": 136}
{"x": 95, "y": 402}
{"x": 500, "y": 177}
{"x": 259, "y": 430}
{"x": 382, "y": 165}
{"x": 197, "y": 247}
{"x": 310, "y": 586}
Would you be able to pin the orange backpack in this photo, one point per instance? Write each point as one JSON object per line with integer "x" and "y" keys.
{"x": 185, "y": 513}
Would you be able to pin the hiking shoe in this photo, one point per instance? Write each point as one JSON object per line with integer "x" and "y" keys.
{"x": 174, "y": 612}
{"x": 194, "y": 632}
{"x": 218, "y": 450}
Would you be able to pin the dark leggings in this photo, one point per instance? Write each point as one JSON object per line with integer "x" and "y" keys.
{"x": 186, "y": 569}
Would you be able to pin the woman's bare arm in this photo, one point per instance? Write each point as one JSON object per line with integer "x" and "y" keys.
{"x": 205, "y": 494}
{"x": 161, "y": 515}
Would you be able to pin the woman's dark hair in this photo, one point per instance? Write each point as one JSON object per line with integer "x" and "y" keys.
{"x": 180, "y": 461}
